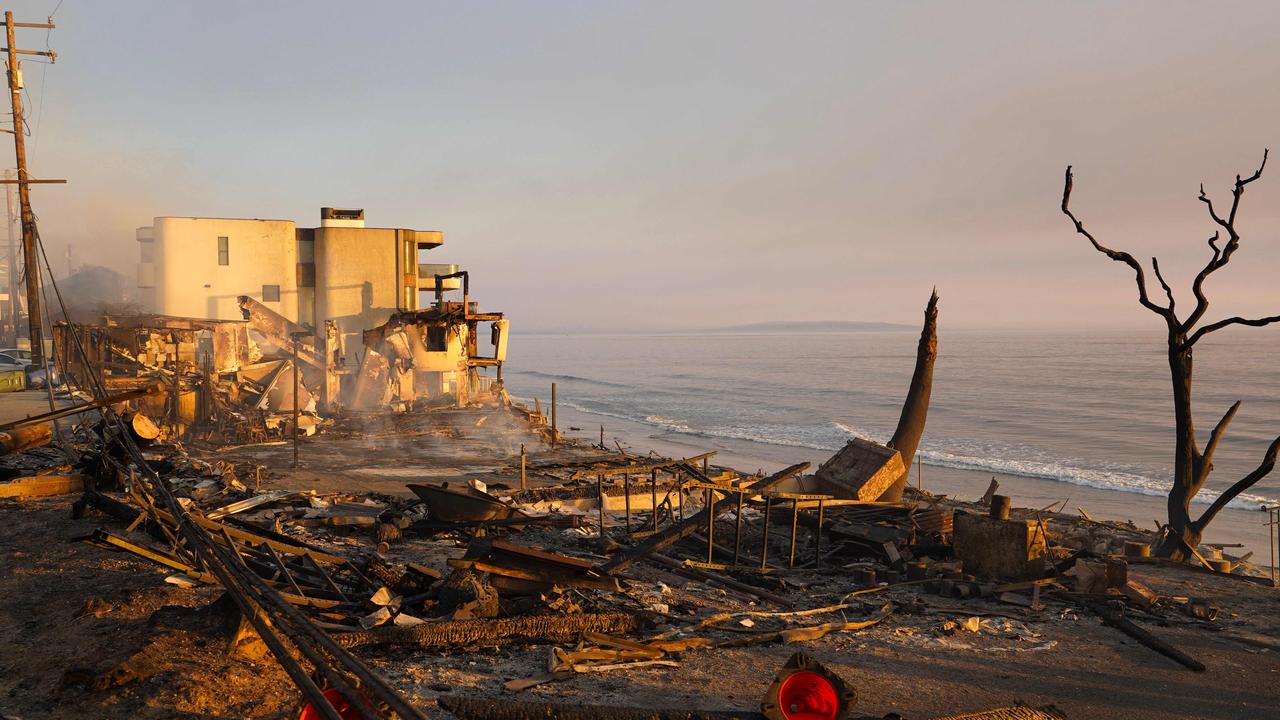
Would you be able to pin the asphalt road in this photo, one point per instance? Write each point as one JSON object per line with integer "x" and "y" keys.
{"x": 25, "y": 403}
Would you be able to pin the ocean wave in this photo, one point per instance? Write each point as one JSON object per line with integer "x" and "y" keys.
{"x": 1117, "y": 480}
{"x": 666, "y": 422}
{"x": 570, "y": 378}
{"x": 958, "y": 454}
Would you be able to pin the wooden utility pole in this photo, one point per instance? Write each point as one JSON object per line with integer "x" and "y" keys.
{"x": 30, "y": 253}
{"x": 14, "y": 310}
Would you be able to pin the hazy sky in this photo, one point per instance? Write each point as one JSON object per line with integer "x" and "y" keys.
{"x": 648, "y": 165}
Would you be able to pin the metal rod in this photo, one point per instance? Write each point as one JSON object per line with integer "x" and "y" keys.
{"x": 600, "y": 492}
{"x": 653, "y": 496}
{"x": 680, "y": 493}
{"x": 795, "y": 519}
{"x": 737, "y": 531}
{"x": 523, "y": 482}
{"x": 764, "y": 536}
{"x": 710, "y": 502}
{"x": 555, "y": 432}
{"x": 626, "y": 494}
{"x": 295, "y": 404}
{"x": 177, "y": 416}
{"x": 1274, "y": 514}
{"x": 817, "y": 536}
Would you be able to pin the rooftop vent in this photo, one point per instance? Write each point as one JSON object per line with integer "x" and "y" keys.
{"x": 341, "y": 217}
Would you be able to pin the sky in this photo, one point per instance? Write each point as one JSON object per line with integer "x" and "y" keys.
{"x": 602, "y": 166}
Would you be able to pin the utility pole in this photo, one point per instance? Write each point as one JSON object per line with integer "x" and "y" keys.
{"x": 30, "y": 253}
{"x": 15, "y": 305}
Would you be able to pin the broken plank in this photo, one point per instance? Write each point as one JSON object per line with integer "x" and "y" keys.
{"x": 42, "y": 486}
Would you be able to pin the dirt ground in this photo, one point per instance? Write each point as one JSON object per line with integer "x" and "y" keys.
{"x": 86, "y": 632}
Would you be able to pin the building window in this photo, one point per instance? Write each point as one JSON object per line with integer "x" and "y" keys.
{"x": 224, "y": 252}
{"x": 270, "y": 293}
{"x": 437, "y": 341}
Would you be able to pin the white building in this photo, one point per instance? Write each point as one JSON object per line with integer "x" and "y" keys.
{"x": 341, "y": 271}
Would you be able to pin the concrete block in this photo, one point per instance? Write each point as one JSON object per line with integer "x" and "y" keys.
{"x": 861, "y": 470}
{"x": 1005, "y": 549}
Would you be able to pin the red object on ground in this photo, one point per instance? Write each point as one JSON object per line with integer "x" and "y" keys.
{"x": 806, "y": 695}
{"x": 346, "y": 709}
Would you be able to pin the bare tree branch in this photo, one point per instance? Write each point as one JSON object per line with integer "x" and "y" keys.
{"x": 1168, "y": 291}
{"x": 1197, "y": 287}
{"x": 1220, "y": 256}
{"x": 1205, "y": 461}
{"x": 1117, "y": 255}
{"x": 1264, "y": 468}
{"x": 1214, "y": 327}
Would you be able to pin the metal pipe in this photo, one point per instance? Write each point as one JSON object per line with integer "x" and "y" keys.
{"x": 653, "y": 496}
{"x": 764, "y": 536}
{"x": 680, "y": 493}
{"x": 795, "y": 519}
{"x": 817, "y": 536}
{"x": 737, "y": 532}
{"x": 600, "y": 493}
{"x": 710, "y": 502}
{"x": 295, "y": 405}
{"x": 626, "y": 495}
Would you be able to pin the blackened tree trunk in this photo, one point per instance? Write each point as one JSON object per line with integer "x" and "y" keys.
{"x": 915, "y": 409}
{"x": 1192, "y": 466}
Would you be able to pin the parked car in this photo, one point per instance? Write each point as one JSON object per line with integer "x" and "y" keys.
{"x": 14, "y": 358}
{"x": 17, "y": 353}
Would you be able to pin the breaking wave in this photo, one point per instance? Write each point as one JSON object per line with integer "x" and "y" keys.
{"x": 957, "y": 454}
{"x": 569, "y": 378}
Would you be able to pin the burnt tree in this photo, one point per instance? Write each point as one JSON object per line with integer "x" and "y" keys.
{"x": 1192, "y": 465}
{"x": 915, "y": 409}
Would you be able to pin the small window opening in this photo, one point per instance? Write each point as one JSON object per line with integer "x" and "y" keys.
{"x": 270, "y": 293}
{"x": 436, "y": 341}
{"x": 224, "y": 251}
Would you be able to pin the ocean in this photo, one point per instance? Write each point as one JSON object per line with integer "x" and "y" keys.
{"x": 1084, "y": 414}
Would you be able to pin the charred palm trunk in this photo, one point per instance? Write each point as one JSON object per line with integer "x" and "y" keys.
{"x": 915, "y": 410}
{"x": 1181, "y": 530}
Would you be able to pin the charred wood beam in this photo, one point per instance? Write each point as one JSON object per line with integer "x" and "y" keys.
{"x": 723, "y": 581}
{"x": 460, "y": 633}
{"x": 1117, "y": 620}
{"x": 25, "y": 438}
{"x": 472, "y": 708}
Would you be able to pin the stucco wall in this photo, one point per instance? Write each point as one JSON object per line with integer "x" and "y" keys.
{"x": 356, "y": 278}
{"x": 190, "y": 282}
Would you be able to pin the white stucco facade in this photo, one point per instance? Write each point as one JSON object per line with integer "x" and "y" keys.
{"x": 201, "y": 265}
{"x": 340, "y": 271}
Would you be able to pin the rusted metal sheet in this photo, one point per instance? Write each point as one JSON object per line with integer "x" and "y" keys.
{"x": 462, "y": 503}
{"x": 539, "y": 569}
